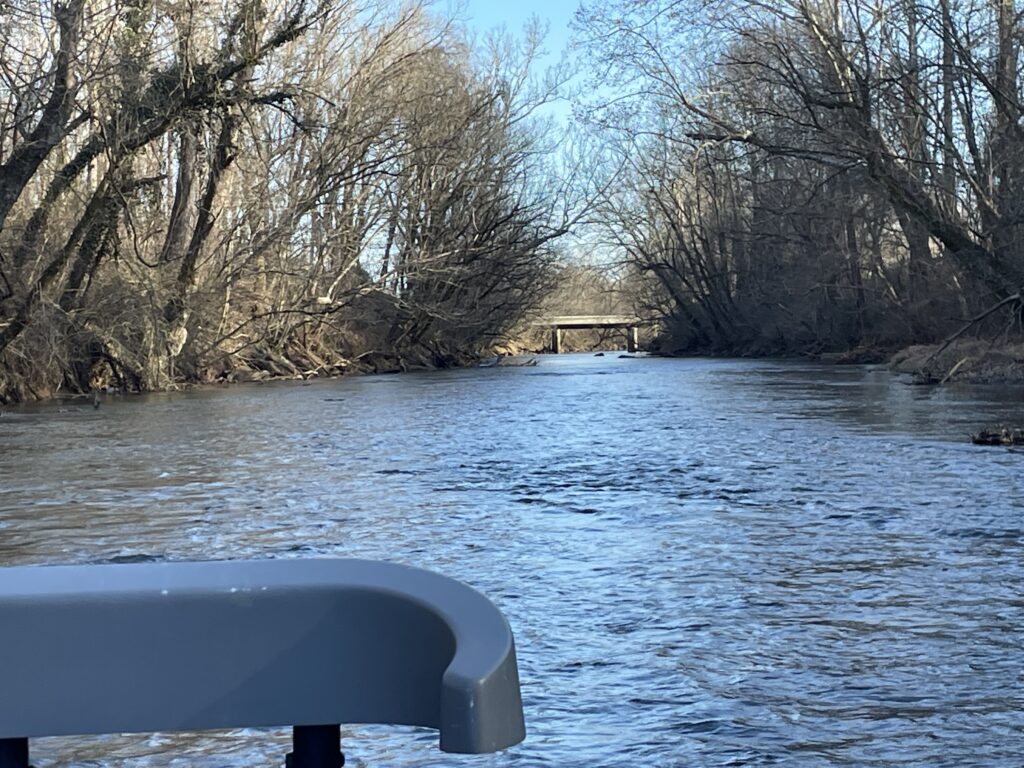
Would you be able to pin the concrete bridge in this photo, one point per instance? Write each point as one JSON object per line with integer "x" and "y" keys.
{"x": 628, "y": 323}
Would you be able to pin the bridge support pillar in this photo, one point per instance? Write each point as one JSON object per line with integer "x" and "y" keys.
{"x": 556, "y": 340}
{"x": 14, "y": 753}
{"x": 316, "y": 746}
{"x": 632, "y": 339}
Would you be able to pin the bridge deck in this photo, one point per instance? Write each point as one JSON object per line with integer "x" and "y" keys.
{"x": 590, "y": 321}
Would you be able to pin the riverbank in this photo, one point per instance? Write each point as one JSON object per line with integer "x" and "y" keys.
{"x": 967, "y": 360}
{"x": 261, "y": 368}
{"x": 374, "y": 364}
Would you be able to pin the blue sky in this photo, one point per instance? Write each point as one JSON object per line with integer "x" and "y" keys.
{"x": 484, "y": 15}
{"x": 481, "y": 16}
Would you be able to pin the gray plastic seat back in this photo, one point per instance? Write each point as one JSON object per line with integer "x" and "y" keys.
{"x": 193, "y": 646}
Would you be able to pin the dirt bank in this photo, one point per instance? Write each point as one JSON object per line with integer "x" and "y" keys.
{"x": 965, "y": 360}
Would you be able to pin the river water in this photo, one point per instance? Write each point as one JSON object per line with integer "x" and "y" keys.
{"x": 706, "y": 563}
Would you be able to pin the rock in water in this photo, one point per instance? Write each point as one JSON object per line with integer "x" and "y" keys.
{"x": 999, "y": 436}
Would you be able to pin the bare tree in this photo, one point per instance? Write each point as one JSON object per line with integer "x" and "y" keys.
{"x": 278, "y": 187}
{"x": 879, "y": 138}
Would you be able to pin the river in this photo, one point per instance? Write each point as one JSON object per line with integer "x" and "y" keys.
{"x": 705, "y": 562}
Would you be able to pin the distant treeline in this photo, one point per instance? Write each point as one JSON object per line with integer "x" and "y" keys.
{"x": 812, "y": 175}
{"x": 281, "y": 186}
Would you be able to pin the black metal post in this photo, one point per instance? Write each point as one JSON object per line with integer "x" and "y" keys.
{"x": 314, "y": 746}
{"x": 14, "y": 753}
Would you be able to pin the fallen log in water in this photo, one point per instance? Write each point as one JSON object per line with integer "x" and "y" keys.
{"x": 999, "y": 436}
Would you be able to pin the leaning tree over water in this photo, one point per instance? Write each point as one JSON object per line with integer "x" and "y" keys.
{"x": 832, "y": 172}
{"x": 282, "y": 185}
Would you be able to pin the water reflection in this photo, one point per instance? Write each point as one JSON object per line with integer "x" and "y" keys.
{"x": 705, "y": 562}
